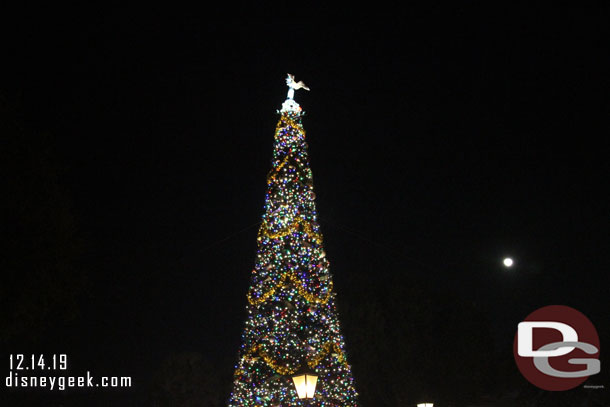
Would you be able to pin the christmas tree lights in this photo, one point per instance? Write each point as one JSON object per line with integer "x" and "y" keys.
{"x": 292, "y": 321}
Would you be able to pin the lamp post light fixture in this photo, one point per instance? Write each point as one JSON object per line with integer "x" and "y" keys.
{"x": 425, "y": 405}
{"x": 305, "y": 382}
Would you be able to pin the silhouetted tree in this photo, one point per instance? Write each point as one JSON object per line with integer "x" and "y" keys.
{"x": 188, "y": 380}
{"x": 40, "y": 280}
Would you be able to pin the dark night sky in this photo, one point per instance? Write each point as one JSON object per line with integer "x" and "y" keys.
{"x": 441, "y": 139}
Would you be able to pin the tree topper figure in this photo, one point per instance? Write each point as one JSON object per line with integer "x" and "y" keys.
{"x": 293, "y": 85}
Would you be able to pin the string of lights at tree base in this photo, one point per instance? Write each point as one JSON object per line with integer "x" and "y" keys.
{"x": 292, "y": 321}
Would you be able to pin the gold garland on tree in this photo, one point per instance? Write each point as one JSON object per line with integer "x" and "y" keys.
{"x": 293, "y": 227}
{"x": 294, "y": 279}
{"x": 285, "y": 370}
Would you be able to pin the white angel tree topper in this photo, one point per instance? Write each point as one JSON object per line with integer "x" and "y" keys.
{"x": 292, "y": 322}
{"x": 289, "y": 103}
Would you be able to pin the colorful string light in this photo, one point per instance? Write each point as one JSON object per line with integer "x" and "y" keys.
{"x": 292, "y": 318}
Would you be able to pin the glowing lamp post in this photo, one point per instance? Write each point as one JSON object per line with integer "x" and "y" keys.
{"x": 305, "y": 382}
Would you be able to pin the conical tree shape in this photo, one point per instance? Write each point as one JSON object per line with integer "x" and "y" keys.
{"x": 292, "y": 321}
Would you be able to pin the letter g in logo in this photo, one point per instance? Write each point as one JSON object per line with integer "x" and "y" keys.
{"x": 593, "y": 365}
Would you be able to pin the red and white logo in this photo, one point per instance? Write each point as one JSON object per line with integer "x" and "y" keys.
{"x": 556, "y": 348}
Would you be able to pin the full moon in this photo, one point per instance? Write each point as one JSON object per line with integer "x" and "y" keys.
{"x": 508, "y": 262}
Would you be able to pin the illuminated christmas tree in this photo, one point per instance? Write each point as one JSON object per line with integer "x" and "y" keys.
{"x": 292, "y": 325}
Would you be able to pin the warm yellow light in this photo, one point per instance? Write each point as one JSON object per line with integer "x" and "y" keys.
{"x": 301, "y": 385}
{"x": 305, "y": 384}
{"x": 311, "y": 385}
{"x": 425, "y": 405}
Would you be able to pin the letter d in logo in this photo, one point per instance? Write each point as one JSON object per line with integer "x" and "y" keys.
{"x": 526, "y": 340}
